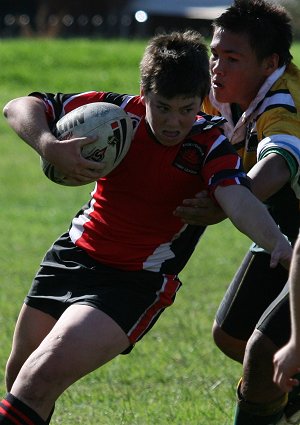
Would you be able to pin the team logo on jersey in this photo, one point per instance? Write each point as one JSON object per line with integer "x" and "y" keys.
{"x": 189, "y": 157}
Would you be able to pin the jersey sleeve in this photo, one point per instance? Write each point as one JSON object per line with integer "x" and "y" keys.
{"x": 289, "y": 148}
{"x": 279, "y": 132}
{"x": 278, "y": 123}
{"x": 59, "y": 104}
{"x": 223, "y": 166}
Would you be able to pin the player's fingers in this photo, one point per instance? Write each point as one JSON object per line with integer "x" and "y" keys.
{"x": 87, "y": 140}
{"x": 202, "y": 195}
{"x": 274, "y": 259}
{"x": 187, "y": 212}
{"x": 294, "y": 382}
{"x": 283, "y": 377}
{"x": 201, "y": 200}
{"x": 89, "y": 167}
{"x": 281, "y": 254}
{"x": 281, "y": 381}
{"x": 276, "y": 375}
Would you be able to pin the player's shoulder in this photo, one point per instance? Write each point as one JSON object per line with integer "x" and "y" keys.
{"x": 208, "y": 107}
{"x": 282, "y": 101}
{"x": 285, "y": 92}
{"x": 205, "y": 122}
{"x": 291, "y": 73}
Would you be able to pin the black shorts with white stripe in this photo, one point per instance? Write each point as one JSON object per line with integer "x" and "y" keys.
{"x": 133, "y": 299}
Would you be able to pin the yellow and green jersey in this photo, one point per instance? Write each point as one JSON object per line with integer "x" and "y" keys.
{"x": 270, "y": 124}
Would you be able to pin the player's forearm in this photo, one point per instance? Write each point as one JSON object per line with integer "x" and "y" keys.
{"x": 249, "y": 215}
{"x": 26, "y": 116}
{"x": 268, "y": 176}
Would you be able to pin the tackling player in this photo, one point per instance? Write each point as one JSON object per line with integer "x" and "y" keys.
{"x": 256, "y": 87}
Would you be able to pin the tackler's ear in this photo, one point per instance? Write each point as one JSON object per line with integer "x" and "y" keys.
{"x": 271, "y": 63}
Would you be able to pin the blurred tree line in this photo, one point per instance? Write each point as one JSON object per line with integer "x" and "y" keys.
{"x": 52, "y": 18}
{"x": 293, "y": 6}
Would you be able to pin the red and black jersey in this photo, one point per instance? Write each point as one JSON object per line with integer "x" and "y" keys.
{"x": 129, "y": 222}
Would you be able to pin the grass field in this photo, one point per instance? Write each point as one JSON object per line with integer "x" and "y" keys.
{"x": 175, "y": 375}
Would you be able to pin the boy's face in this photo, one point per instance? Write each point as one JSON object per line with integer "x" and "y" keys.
{"x": 236, "y": 73}
{"x": 170, "y": 119}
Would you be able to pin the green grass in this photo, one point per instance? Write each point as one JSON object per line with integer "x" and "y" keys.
{"x": 176, "y": 374}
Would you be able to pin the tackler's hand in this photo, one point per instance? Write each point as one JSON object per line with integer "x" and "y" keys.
{"x": 286, "y": 366}
{"x": 200, "y": 210}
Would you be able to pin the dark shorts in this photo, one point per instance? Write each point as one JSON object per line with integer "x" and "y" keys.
{"x": 133, "y": 299}
{"x": 276, "y": 320}
{"x": 247, "y": 301}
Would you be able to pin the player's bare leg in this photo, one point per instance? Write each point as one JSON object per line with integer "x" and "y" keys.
{"x": 31, "y": 328}
{"x": 82, "y": 340}
{"x": 257, "y": 385}
{"x": 230, "y": 346}
{"x": 260, "y": 401}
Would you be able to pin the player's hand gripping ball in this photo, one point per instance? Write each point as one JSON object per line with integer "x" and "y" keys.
{"x": 108, "y": 122}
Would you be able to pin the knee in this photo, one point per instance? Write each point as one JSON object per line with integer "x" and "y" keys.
{"x": 39, "y": 381}
{"x": 232, "y": 347}
{"x": 42, "y": 370}
{"x": 218, "y": 336}
{"x": 257, "y": 385}
{"x": 260, "y": 349}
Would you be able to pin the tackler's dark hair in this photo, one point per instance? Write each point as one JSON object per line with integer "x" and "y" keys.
{"x": 267, "y": 25}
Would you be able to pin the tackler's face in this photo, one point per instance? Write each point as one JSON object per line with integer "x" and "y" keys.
{"x": 236, "y": 72}
{"x": 170, "y": 120}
